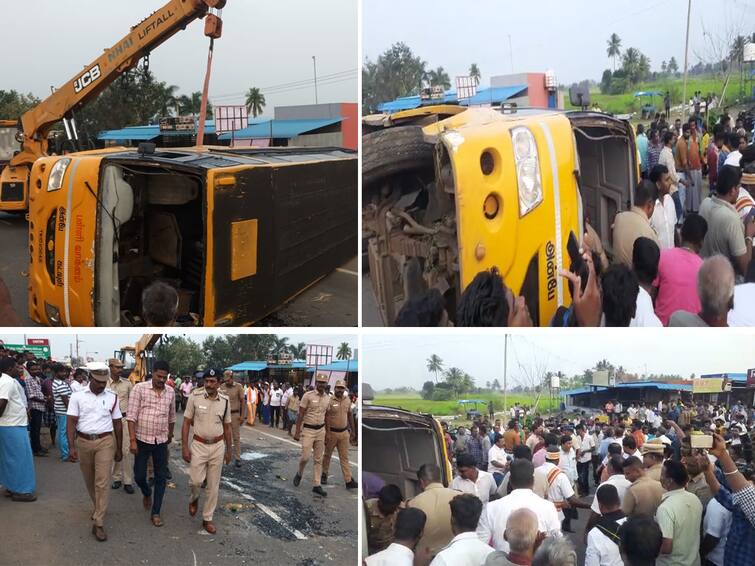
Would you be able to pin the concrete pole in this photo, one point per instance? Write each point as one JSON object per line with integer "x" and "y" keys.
{"x": 686, "y": 56}
{"x": 505, "y": 374}
{"x": 314, "y": 64}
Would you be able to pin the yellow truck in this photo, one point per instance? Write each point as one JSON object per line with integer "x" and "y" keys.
{"x": 467, "y": 189}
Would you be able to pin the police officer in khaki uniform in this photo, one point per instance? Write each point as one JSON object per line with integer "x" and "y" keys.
{"x": 235, "y": 393}
{"x": 339, "y": 431}
{"x": 312, "y": 409}
{"x": 123, "y": 471}
{"x": 209, "y": 412}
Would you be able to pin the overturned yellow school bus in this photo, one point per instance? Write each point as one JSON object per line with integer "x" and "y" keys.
{"x": 237, "y": 232}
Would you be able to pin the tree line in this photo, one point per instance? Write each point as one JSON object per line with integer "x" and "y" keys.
{"x": 185, "y": 355}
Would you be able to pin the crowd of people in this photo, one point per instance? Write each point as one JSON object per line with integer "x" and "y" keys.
{"x": 648, "y": 494}
{"x": 119, "y": 432}
{"x": 681, "y": 256}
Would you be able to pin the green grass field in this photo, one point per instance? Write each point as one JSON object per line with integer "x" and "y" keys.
{"x": 627, "y": 103}
{"x": 415, "y": 403}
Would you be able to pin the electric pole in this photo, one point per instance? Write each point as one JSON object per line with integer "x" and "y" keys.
{"x": 505, "y": 365}
{"x": 686, "y": 50}
{"x": 314, "y": 64}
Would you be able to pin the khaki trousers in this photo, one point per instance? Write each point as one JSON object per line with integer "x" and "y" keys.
{"x": 340, "y": 440}
{"x": 236, "y": 429}
{"x": 206, "y": 462}
{"x": 96, "y": 463}
{"x": 251, "y": 414}
{"x": 123, "y": 471}
{"x": 312, "y": 441}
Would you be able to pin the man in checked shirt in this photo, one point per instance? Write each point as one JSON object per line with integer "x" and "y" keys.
{"x": 151, "y": 419}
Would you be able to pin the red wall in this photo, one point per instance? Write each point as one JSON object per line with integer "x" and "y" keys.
{"x": 350, "y": 125}
{"x": 536, "y": 90}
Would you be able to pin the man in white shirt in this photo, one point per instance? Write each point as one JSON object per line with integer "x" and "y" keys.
{"x": 497, "y": 457}
{"x": 616, "y": 479}
{"x": 495, "y": 516}
{"x": 664, "y": 218}
{"x": 16, "y": 460}
{"x": 560, "y": 489}
{"x": 603, "y": 538}
{"x": 473, "y": 480}
{"x": 79, "y": 381}
{"x": 276, "y": 398}
{"x": 678, "y": 183}
{"x": 585, "y": 445}
{"x": 93, "y": 417}
{"x": 568, "y": 460}
{"x": 465, "y": 549}
{"x": 716, "y": 525}
{"x": 408, "y": 530}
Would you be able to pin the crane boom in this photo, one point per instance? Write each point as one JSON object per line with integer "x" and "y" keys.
{"x": 124, "y": 55}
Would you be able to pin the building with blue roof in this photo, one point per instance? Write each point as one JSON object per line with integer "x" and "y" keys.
{"x": 522, "y": 89}
{"x": 297, "y": 372}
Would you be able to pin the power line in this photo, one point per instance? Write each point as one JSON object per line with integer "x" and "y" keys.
{"x": 273, "y": 89}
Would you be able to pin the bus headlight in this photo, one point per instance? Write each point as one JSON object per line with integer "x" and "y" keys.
{"x": 527, "y": 169}
{"x": 56, "y": 175}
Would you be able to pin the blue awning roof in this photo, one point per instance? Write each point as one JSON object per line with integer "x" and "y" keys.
{"x": 338, "y": 365}
{"x": 249, "y": 366}
{"x": 149, "y": 132}
{"x": 732, "y": 376}
{"x": 280, "y": 128}
{"x": 647, "y": 93}
{"x": 494, "y": 95}
{"x": 488, "y": 95}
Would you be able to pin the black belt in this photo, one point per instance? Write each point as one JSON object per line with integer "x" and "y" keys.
{"x": 339, "y": 429}
{"x": 314, "y": 426}
{"x": 94, "y": 436}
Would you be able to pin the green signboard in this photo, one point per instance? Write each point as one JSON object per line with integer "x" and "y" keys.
{"x": 38, "y": 351}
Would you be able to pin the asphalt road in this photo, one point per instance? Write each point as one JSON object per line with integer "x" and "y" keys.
{"x": 332, "y": 301}
{"x": 261, "y": 517}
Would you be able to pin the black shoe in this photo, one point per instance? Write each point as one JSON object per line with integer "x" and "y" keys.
{"x": 297, "y": 480}
{"x": 351, "y": 484}
{"x": 204, "y": 483}
{"x": 128, "y": 488}
{"x": 319, "y": 491}
{"x": 324, "y": 479}
{"x": 238, "y": 463}
{"x": 116, "y": 485}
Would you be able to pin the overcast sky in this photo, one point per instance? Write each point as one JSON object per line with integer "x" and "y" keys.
{"x": 566, "y": 36}
{"x": 265, "y": 43}
{"x": 101, "y": 346}
{"x": 401, "y": 360}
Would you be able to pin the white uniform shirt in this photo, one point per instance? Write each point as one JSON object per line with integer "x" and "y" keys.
{"x": 619, "y": 482}
{"x": 395, "y": 555}
{"x": 644, "y": 315}
{"x": 463, "y": 550}
{"x": 276, "y": 396}
{"x": 96, "y": 412}
{"x": 483, "y": 488}
{"x": 717, "y": 522}
{"x": 499, "y": 455}
{"x": 585, "y": 444}
{"x": 568, "y": 463}
{"x": 663, "y": 221}
{"x": 496, "y": 514}
{"x": 76, "y": 386}
{"x": 601, "y": 550}
{"x": 15, "y": 411}
{"x": 560, "y": 489}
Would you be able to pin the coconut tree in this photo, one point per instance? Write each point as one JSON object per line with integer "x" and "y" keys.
{"x": 255, "y": 102}
{"x": 456, "y": 380}
{"x": 631, "y": 64}
{"x": 280, "y": 345}
{"x": 298, "y": 351}
{"x": 435, "y": 365}
{"x": 344, "y": 351}
{"x": 614, "y": 48}
{"x": 474, "y": 72}
{"x": 439, "y": 77}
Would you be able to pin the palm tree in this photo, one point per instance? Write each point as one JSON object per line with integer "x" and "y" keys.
{"x": 298, "y": 351}
{"x": 255, "y": 102}
{"x": 738, "y": 49}
{"x": 168, "y": 100}
{"x": 439, "y": 77}
{"x": 474, "y": 72}
{"x": 631, "y": 64}
{"x": 643, "y": 67}
{"x": 455, "y": 378}
{"x": 279, "y": 345}
{"x": 344, "y": 351}
{"x": 183, "y": 105}
{"x": 663, "y": 67}
{"x": 435, "y": 365}
{"x": 614, "y": 48}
